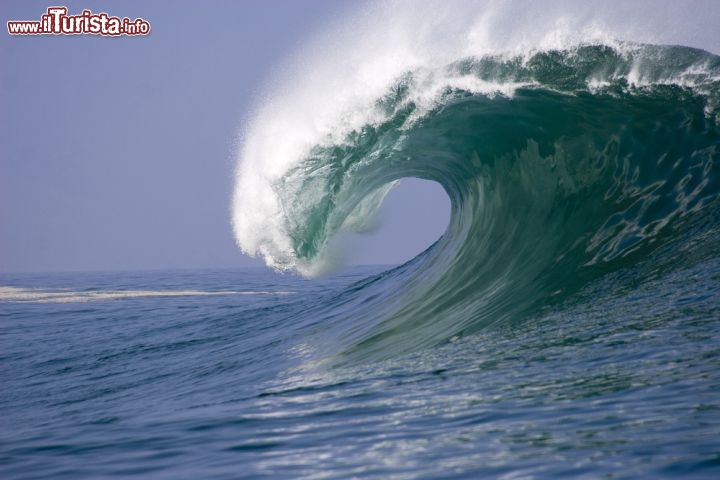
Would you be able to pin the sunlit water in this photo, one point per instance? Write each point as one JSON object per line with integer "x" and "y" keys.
{"x": 166, "y": 384}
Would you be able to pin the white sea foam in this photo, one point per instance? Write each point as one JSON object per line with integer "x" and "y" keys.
{"x": 37, "y": 295}
{"x": 332, "y": 86}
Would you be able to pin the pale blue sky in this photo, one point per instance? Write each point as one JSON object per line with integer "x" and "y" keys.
{"x": 118, "y": 153}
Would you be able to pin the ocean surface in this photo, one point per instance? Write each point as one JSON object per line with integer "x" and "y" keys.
{"x": 215, "y": 374}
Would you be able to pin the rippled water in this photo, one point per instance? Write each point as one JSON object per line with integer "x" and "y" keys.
{"x": 623, "y": 383}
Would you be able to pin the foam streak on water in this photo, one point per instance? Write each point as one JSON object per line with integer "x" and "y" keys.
{"x": 13, "y": 294}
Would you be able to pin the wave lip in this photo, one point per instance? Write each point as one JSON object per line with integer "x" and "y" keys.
{"x": 288, "y": 206}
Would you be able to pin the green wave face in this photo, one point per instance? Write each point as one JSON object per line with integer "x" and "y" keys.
{"x": 562, "y": 167}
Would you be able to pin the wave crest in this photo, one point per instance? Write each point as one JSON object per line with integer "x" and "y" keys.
{"x": 563, "y": 164}
{"x": 288, "y": 210}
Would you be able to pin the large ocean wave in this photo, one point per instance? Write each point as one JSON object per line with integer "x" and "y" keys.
{"x": 566, "y": 159}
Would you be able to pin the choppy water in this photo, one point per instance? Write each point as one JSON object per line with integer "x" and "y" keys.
{"x": 619, "y": 382}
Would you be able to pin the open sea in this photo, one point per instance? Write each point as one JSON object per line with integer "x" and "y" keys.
{"x": 214, "y": 374}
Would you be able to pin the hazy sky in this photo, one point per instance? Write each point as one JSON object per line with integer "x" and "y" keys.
{"x": 118, "y": 153}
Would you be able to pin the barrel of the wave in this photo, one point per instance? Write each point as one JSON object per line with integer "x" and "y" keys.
{"x": 595, "y": 161}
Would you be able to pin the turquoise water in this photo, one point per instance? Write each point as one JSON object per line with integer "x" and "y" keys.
{"x": 596, "y": 160}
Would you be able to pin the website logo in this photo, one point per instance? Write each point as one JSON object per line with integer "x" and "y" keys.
{"x": 57, "y": 22}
